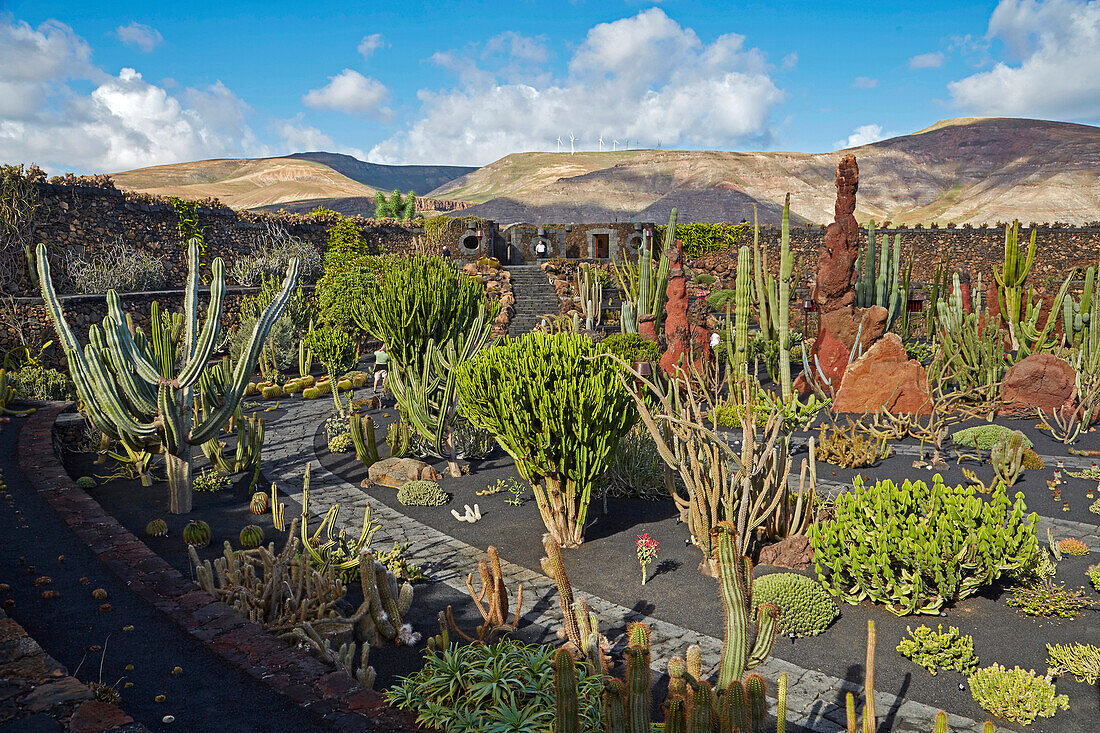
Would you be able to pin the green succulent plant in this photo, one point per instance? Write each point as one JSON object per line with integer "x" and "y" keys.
{"x": 805, "y": 608}
{"x": 1015, "y": 694}
{"x": 985, "y": 437}
{"x": 422, "y": 493}
{"x": 936, "y": 650}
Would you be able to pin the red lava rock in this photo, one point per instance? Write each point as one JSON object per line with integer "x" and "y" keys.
{"x": 95, "y": 716}
{"x": 884, "y": 377}
{"x": 836, "y": 260}
{"x": 832, "y": 356}
{"x": 683, "y": 338}
{"x": 794, "y": 552}
{"x": 1038, "y": 381}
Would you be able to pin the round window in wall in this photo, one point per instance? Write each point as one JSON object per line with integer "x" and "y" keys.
{"x": 634, "y": 243}
{"x": 470, "y": 243}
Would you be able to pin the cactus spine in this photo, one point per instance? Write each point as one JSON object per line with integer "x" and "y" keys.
{"x": 130, "y": 400}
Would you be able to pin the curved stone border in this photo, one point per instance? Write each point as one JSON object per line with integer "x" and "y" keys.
{"x": 333, "y": 696}
{"x": 815, "y": 701}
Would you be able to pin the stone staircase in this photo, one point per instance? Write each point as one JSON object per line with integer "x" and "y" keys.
{"x": 535, "y": 297}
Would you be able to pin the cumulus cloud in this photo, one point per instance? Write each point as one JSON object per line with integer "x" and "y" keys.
{"x": 139, "y": 35}
{"x": 789, "y": 61}
{"x": 644, "y": 77}
{"x": 865, "y": 82}
{"x": 927, "y": 60}
{"x": 1054, "y": 44}
{"x": 370, "y": 44}
{"x": 351, "y": 92}
{"x": 863, "y": 135}
{"x": 123, "y": 122}
{"x": 296, "y": 136}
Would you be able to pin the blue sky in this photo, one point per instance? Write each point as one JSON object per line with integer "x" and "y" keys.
{"x": 101, "y": 86}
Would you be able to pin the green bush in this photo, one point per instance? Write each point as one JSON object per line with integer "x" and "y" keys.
{"x": 805, "y": 608}
{"x": 345, "y": 245}
{"x": 422, "y": 493}
{"x": 699, "y": 238}
{"x": 86, "y": 482}
{"x": 718, "y": 299}
{"x": 341, "y": 443}
{"x": 333, "y": 348}
{"x": 492, "y": 688}
{"x": 1093, "y": 572}
{"x": 704, "y": 278}
{"x": 630, "y": 347}
{"x": 917, "y": 548}
{"x": 1048, "y": 599}
{"x": 984, "y": 436}
{"x": 1080, "y": 660}
{"x": 636, "y": 468}
{"x": 1015, "y": 694}
{"x": 936, "y": 650}
{"x": 210, "y": 480}
{"x": 35, "y": 382}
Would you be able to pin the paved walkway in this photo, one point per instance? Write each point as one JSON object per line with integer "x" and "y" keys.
{"x": 814, "y": 699}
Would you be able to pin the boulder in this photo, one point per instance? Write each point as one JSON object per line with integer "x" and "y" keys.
{"x": 396, "y": 472}
{"x": 836, "y": 260}
{"x": 847, "y": 323}
{"x": 1038, "y": 381}
{"x": 794, "y": 552}
{"x": 884, "y": 377}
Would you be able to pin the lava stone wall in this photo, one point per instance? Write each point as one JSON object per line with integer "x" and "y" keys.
{"x": 91, "y": 218}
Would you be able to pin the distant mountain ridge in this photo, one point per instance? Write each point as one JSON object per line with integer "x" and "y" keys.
{"x": 417, "y": 178}
{"x": 968, "y": 170}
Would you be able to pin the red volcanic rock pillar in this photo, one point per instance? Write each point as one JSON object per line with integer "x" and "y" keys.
{"x": 683, "y": 338}
{"x": 836, "y": 260}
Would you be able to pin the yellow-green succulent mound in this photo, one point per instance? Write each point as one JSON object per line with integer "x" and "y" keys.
{"x": 805, "y": 608}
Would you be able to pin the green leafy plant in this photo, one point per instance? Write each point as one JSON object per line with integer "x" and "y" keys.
{"x": 1093, "y": 571}
{"x": 631, "y": 348}
{"x": 936, "y": 650}
{"x": 1080, "y": 660}
{"x": 985, "y": 437}
{"x": 805, "y": 608}
{"x": 557, "y": 411}
{"x": 917, "y": 548}
{"x": 492, "y": 688}
{"x": 36, "y": 382}
{"x": 422, "y": 493}
{"x": 210, "y": 481}
{"x": 699, "y": 238}
{"x": 704, "y": 278}
{"x": 341, "y": 443}
{"x": 1048, "y": 599}
{"x": 1015, "y": 694}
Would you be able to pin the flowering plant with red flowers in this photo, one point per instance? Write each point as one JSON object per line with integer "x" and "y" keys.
{"x": 647, "y": 552}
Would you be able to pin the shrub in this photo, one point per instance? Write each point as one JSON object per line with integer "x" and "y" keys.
{"x": 1080, "y": 660}
{"x": 718, "y": 299}
{"x": 1016, "y": 694}
{"x": 85, "y": 482}
{"x": 1093, "y": 572}
{"x": 805, "y": 608}
{"x": 699, "y": 238}
{"x": 35, "y": 382}
{"x": 117, "y": 267}
{"x": 916, "y": 547}
{"x": 936, "y": 650}
{"x": 1048, "y": 599}
{"x": 636, "y": 468}
{"x": 422, "y": 493}
{"x": 333, "y": 348}
{"x": 1073, "y": 546}
{"x": 270, "y": 255}
{"x": 704, "y": 278}
{"x": 985, "y": 436}
{"x": 630, "y": 347}
{"x": 341, "y": 443}
{"x": 507, "y": 686}
{"x": 210, "y": 480}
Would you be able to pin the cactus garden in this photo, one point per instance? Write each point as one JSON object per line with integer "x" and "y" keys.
{"x": 375, "y": 483}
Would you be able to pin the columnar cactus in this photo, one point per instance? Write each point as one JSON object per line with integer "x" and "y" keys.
{"x": 127, "y": 396}
{"x": 644, "y": 287}
{"x": 773, "y": 295}
{"x": 362, "y": 437}
{"x": 741, "y": 330}
{"x": 250, "y": 442}
{"x": 590, "y": 293}
{"x": 735, "y": 578}
{"x": 1011, "y": 279}
{"x": 1007, "y": 458}
{"x": 885, "y": 287}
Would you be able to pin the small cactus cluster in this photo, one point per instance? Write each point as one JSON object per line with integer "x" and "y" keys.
{"x": 1007, "y": 458}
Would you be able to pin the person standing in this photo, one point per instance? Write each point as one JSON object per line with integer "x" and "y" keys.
{"x": 381, "y": 362}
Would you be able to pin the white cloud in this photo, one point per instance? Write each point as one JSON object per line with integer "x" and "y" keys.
{"x": 863, "y": 135}
{"x": 139, "y": 35}
{"x": 123, "y": 122}
{"x": 1056, "y": 43}
{"x": 298, "y": 137}
{"x": 351, "y": 92}
{"x": 370, "y": 44}
{"x": 789, "y": 61}
{"x": 865, "y": 82}
{"x": 644, "y": 77}
{"x": 932, "y": 60}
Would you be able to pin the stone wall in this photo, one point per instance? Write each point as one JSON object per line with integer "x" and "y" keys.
{"x": 575, "y": 241}
{"x": 84, "y": 219}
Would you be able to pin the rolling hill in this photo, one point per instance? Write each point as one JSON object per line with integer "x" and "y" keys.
{"x": 968, "y": 170}
{"x": 300, "y": 178}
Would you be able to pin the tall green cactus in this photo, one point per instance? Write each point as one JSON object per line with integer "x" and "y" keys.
{"x": 590, "y": 293}
{"x": 644, "y": 286}
{"x": 741, "y": 329}
{"x": 126, "y": 395}
{"x": 885, "y": 287}
{"x": 1010, "y": 279}
{"x": 735, "y": 578}
{"x": 362, "y": 437}
{"x": 773, "y": 295}
{"x": 1077, "y": 315}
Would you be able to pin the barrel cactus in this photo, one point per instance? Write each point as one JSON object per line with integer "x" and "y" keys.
{"x": 259, "y": 503}
{"x": 157, "y": 528}
{"x": 252, "y": 536}
{"x": 197, "y": 533}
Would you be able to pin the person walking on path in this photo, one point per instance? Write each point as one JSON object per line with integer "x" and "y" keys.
{"x": 381, "y": 362}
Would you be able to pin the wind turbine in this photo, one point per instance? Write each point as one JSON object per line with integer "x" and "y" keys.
{"x": 614, "y": 145}
{"x": 559, "y": 143}
{"x": 571, "y": 139}
{"x": 601, "y": 142}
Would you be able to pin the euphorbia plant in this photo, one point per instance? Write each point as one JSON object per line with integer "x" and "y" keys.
{"x": 647, "y": 551}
